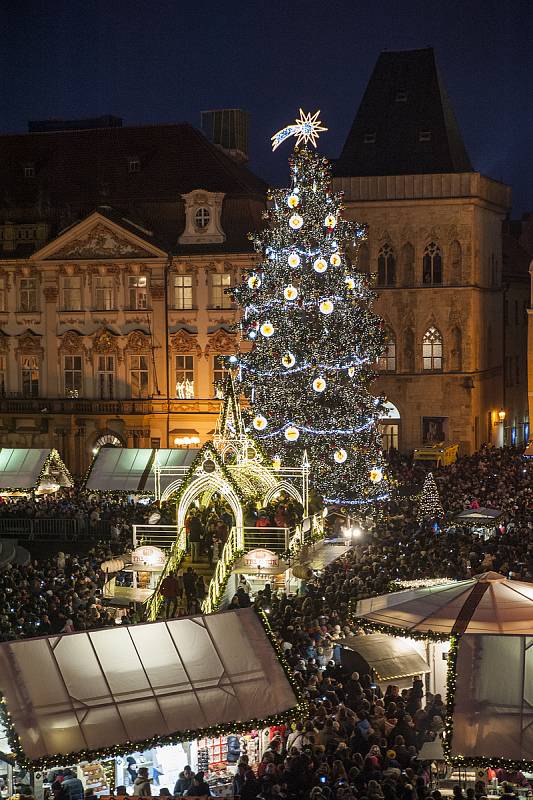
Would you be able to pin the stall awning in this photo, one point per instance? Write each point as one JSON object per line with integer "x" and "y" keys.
{"x": 479, "y": 516}
{"x": 73, "y": 696}
{"x": 121, "y": 469}
{"x": 390, "y": 657}
{"x": 22, "y": 468}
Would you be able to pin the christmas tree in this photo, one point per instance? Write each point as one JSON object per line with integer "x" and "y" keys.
{"x": 307, "y": 313}
{"x": 429, "y": 506}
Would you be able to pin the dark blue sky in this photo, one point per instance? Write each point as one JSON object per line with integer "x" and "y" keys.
{"x": 156, "y": 61}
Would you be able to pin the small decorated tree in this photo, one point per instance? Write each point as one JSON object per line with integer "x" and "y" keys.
{"x": 315, "y": 341}
{"x": 429, "y": 506}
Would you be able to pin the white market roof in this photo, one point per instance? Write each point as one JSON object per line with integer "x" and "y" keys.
{"x": 487, "y": 603}
{"x": 21, "y": 467}
{"x": 121, "y": 469}
{"x": 120, "y": 686}
{"x": 390, "y": 657}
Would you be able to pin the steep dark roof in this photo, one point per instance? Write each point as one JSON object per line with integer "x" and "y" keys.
{"x": 404, "y": 98}
{"x": 91, "y": 166}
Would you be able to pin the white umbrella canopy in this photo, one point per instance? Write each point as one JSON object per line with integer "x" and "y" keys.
{"x": 487, "y": 603}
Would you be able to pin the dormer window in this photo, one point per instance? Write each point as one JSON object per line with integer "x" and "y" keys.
{"x": 201, "y": 218}
{"x": 29, "y": 170}
{"x": 370, "y": 138}
{"x": 424, "y": 136}
{"x": 134, "y": 164}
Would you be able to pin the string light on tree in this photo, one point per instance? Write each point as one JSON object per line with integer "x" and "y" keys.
{"x": 312, "y": 381}
{"x": 429, "y": 506}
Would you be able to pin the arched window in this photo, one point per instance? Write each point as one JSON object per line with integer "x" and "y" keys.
{"x": 456, "y": 261}
{"x": 363, "y": 258}
{"x": 408, "y": 264}
{"x": 432, "y": 265}
{"x": 386, "y": 266}
{"x": 432, "y": 350}
{"x": 387, "y": 360}
{"x": 457, "y": 350}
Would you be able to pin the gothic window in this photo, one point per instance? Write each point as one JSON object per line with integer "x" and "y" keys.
{"x": 72, "y": 375}
{"x": 408, "y": 350}
{"x": 29, "y": 375}
{"x": 432, "y": 265}
{"x": 183, "y": 292}
{"x": 456, "y": 261}
{"x": 139, "y": 376}
{"x": 387, "y": 361}
{"x": 220, "y": 281}
{"x": 184, "y": 377}
{"x": 457, "y": 350}
{"x": 386, "y": 266}
{"x": 408, "y": 264}
{"x": 432, "y": 350}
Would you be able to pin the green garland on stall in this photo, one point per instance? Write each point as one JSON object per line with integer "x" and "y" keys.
{"x": 238, "y": 554}
{"x": 285, "y": 717}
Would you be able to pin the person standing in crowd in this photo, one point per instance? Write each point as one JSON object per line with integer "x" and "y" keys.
{"x": 196, "y": 533}
{"x": 170, "y": 591}
{"x": 141, "y": 785}
{"x": 184, "y": 781}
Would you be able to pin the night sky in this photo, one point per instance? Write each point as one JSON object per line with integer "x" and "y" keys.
{"x": 152, "y": 61}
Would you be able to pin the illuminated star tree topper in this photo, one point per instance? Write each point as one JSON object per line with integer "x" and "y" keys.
{"x": 307, "y": 127}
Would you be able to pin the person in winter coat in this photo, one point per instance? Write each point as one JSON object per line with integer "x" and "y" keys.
{"x": 199, "y": 787}
{"x": 141, "y": 785}
{"x": 72, "y": 785}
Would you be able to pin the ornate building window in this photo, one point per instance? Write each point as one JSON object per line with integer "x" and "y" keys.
{"x": 386, "y": 266}
{"x": 183, "y": 292}
{"x": 139, "y": 381}
{"x": 137, "y": 292}
{"x": 105, "y": 377}
{"x": 184, "y": 377}
{"x": 220, "y": 281}
{"x": 202, "y": 217}
{"x": 71, "y": 293}
{"x": 29, "y": 375}
{"x": 432, "y": 350}
{"x": 104, "y": 293}
{"x": 432, "y": 265}
{"x": 387, "y": 361}
{"x": 72, "y": 375}
{"x": 28, "y": 294}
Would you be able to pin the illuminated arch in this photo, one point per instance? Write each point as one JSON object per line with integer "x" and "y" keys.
{"x": 283, "y": 486}
{"x": 212, "y": 482}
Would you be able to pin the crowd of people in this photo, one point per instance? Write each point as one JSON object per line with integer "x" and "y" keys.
{"x": 358, "y": 740}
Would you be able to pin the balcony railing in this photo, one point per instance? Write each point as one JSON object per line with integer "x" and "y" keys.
{"x": 18, "y": 404}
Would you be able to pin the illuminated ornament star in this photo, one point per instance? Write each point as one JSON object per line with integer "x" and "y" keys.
{"x": 307, "y": 128}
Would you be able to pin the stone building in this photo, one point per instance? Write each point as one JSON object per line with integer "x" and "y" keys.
{"x": 117, "y": 246}
{"x": 435, "y": 247}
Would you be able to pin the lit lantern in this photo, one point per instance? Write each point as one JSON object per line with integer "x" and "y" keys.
{"x": 291, "y": 433}
{"x": 340, "y": 455}
{"x": 326, "y": 307}
{"x": 320, "y": 265}
{"x": 293, "y": 260}
{"x": 335, "y": 260}
{"x": 259, "y": 422}
{"x": 267, "y": 329}
{"x": 288, "y": 360}
{"x": 319, "y": 384}
{"x": 296, "y": 222}
{"x": 290, "y": 292}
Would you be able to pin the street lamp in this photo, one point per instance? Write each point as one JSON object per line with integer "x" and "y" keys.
{"x": 501, "y": 414}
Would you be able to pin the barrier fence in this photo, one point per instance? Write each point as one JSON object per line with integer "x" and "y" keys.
{"x": 53, "y": 530}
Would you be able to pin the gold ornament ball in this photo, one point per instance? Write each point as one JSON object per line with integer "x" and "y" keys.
{"x": 259, "y": 422}
{"x": 290, "y": 292}
{"x": 291, "y": 433}
{"x": 330, "y": 221}
{"x": 296, "y": 222}
{"x": 350, "y": 283}
{"x": 288, "y": 360}
{"x": 335, "y": 260}
{"x": 293, "y": 201}
{"x": 376, "y": 474}
{"x": 326, "y": 307}
{"x": 340, "y": 455}
{"x": 319, "y": 384}
{"x": 293, "y": 260}
{"x": 320, "y": 265}
{"x": 254, "y": 282}
{"x": 267, "y": 329}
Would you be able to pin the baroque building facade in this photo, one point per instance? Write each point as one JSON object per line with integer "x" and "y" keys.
{"x": 435, "y": 252}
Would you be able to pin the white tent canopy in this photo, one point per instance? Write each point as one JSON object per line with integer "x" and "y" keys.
{"x": 121, "y": 469}
{"x": 390, "y": 657}
{"x": 120, "y": 686}
{"x": 22, "y": 468}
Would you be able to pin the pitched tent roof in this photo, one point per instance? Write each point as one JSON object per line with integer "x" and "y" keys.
{"x": 23, "y": 467}
{"x": 173, "y": 681}
{"x": 404, "y": 98}
{"x": 121, "y": 469}
{"x": 479, "y": 516}
{"x": 487, "y": 603}
{"x": 390, "y": 657}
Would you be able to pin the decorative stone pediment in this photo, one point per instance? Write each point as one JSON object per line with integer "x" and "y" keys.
{"x": 71, "y": 342}
{"x": 221, "y": 341}
{"x": 104, "y": 342}
{"x": 29, "y": 342}
{"x": 184, "y": 342}
{"x": 138, "y": 342}
{"x": 203, "y": 211}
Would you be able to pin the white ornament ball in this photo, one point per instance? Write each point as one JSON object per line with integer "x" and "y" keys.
{"x": 326, "y": 307}
{"x": 320, "y": 265}
{"x": 291, "y": 433}
{"x": 259, "y": 422}
{"x": 288, "y": 360}
{"x": 335, "y": 260}
{"x": 376, "y": 474}
{"x": 319, "y": 384}
{"x": 340, "y": 455}
{"x": 267, "y": 329}
{"x": 330, "y": 221}
{"x": 293, "y": 200}
{"x": 296, "y": 222}
{"x": 254, "y": 282}
{"x": 290, "y": 292}
{"x": 350, "y": 282}
{"x": 294, "y": 260}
